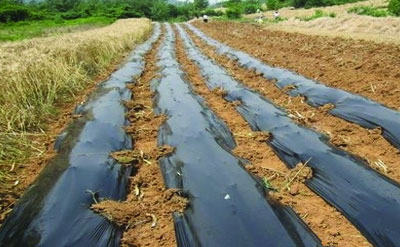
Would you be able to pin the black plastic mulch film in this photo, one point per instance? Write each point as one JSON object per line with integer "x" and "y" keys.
{"x": 55, "y": 210}
{"x": 351, "y": 107}
{"x": 368, "y": 199}
{"x": 227, "y": 205}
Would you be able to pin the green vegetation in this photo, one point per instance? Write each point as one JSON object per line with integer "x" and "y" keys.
{"x": 233, "y": 13}
{"x": 58, "y": 11}
{"x": 368, "y": 10}
{"x": 28, "y": 29}
{"x": 394, "y": 7}
{"x": 277, "y": 4}
{"x": 267, "y": 184}
{"x": 19, "y": 20}
{"x": 200, "y": 4}
{"x": 320, "y": 3}
{"x": 317, "y": 14}
{"x": 236, "y": 8}
{"x": 242, "y": 7}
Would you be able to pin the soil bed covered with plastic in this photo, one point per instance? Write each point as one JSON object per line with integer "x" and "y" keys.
{"x": 333, "y": 169}
{"x": 194, "y": 143}
{"x": 55, "y": 210}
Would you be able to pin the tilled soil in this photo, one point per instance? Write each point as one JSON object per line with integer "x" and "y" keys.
{"x": 365, "y": 143}
{"x": 366, "y": 68}
{"x": 329, "y": 225}
{"x": 146, "y": 215}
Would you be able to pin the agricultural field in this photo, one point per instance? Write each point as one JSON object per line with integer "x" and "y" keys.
{"x": 31, "y": 29}
{"x": 218, "y": 133}
{"x": 366, "y": 20}
{"x": 42, "y": 80}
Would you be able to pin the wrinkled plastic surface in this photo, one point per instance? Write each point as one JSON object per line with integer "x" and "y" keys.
{"x": 227, "y": 205}
{"x": 351, "y": 107}
{"x": 368, "y": 199}
{"x": 55, "y": 211}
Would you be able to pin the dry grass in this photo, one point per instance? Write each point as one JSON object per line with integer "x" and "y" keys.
{"x": 40, "y": 74}
{"x": 345, "y": 25}
{"x": 339, "y": 10}
{"x": 381, "y": 30}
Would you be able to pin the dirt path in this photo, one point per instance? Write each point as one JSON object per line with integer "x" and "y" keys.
{"x": 329, "y": 225}
{"x": 368, "y": 144}
{"x": 361, "y": 67}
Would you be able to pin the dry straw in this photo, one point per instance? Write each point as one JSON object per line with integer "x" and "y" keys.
{"x": 345, "y": 25}
{"x": 38, "y": 74}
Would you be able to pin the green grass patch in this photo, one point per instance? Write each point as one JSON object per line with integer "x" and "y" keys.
{"x": 241, "y": 19}
{"x": 29, "y": 29}
{"x": 369, "y": 10}
{"x": 274, "y": 20}
{"x": 317, "y": 14}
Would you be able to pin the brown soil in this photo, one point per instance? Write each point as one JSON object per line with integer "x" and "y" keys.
{"x": 362, "y": 67}
{"x": 330, "y": 226}
{"x": 368, "y": 144}
{"x": 146, "y": 214}
{"x": 24, "y": 174}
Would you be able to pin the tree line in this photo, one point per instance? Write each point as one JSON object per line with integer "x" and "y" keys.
{"x": 159, "y": 10}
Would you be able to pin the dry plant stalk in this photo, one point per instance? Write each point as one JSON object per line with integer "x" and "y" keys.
{"x": 40, "y": 74}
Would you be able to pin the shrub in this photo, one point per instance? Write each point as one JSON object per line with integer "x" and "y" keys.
{"x": 212, "y": 12}
{"x": 70, "y": 15}
{"x": 317, "y": 14}
{"x": 14, "y": 12}
{"x": 38, "y": 15}
{"x": 368, "y": 10}
{"x": 272, "y": 4}
{"x": 58, "y": 20}
{"x": 250, "y": 8}
{"x": 233, "y": 13}
{"x": 299, "y": 3}
{"x": 320, "y": 3}
{"x": 394, "y": 7}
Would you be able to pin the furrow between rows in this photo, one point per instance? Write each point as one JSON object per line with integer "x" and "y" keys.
{"x": 365, "y": 143}
{"x": 368, "y": 199}
{"x": 328, "y": 224}
{"x": 351, "y": 107}
{"x": 146, "y": 214}
{"x": 227, "y": 206}
{"x": 55, "y": 211}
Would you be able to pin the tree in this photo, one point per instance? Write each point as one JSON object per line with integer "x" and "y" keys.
{"x": 62, "y": 5}
{"x": 160, "y": 11}
{"x": 200, "y": 4}
{"x": 394, "y": 7}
